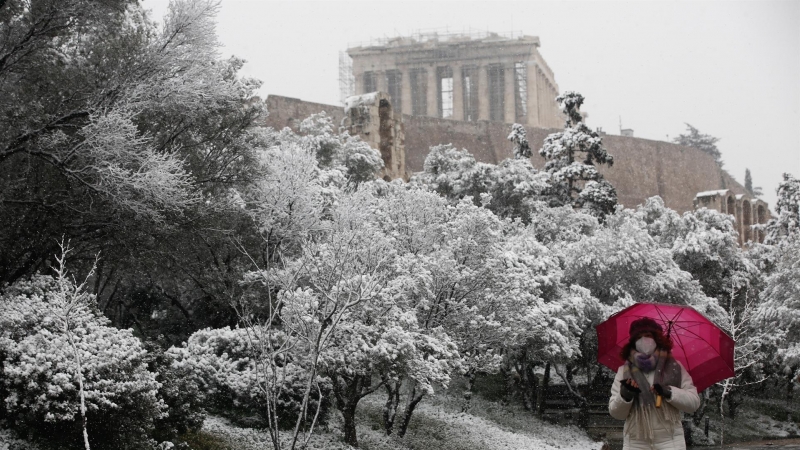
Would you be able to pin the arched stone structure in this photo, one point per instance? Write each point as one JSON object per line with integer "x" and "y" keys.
{"x": 746, "y": 212}
{"x": 761, "y": 218}
{"x": 747, "y": 221}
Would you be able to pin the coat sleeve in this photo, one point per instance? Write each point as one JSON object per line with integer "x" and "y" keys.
{"x": 685, "y": 397}
{"x": 617, "y": 406}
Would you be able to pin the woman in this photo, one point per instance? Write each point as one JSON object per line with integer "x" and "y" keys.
{"x": 651, "y": 372}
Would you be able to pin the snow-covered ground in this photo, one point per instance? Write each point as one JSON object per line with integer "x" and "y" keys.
{"x": 435, "y": 425}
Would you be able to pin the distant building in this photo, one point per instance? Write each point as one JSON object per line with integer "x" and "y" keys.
{"x": 746, "y": 210}
{"x": 467, "y": 77}
{"x": 371, "y": 116}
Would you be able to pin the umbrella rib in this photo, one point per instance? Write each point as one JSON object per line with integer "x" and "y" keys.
{"x": 684, "y": 353}
{"x": 700, "y": 338}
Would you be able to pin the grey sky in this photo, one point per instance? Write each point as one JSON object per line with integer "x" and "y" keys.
{"x": 731, "y": 69}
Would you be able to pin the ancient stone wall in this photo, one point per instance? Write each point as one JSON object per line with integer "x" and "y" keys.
{"x": 642, "y": 168}
{"x": 289, "y": 112}
{"x": 372, "y": 117}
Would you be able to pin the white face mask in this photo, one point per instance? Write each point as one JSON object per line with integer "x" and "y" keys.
{"x": 646, "y": 345}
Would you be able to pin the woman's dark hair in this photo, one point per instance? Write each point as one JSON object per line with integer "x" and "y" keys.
{"x": 662, "y": 342}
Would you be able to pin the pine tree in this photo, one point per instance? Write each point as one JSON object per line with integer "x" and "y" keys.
{"x": 748, "y": 180}
{"x": 576, "y": 182}
{"x": 518, "y": 136}
{"x": 786, "y": 224}
{"x": 703, "y": 142}
{"x": 748, "y": 185}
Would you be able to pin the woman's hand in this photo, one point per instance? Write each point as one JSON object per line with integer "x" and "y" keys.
{"x": 664, "y": 391}
{"x": 629, "y": 389}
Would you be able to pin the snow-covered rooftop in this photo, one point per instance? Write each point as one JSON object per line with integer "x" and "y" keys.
{"x": 358, "y": 100}
{"x": 711, "y": 193}
{"x": 444, "y": 37}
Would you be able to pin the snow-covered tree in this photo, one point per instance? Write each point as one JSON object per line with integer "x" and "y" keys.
{"x": 780, "y": 305}
{"x": 703, "y": 142}
{"x": 358, "y": 160}
{"x": 228, "y": 369}
{"x": 341, "y": 299}
{"x": 703, "y": 243}
{"x": 571, "y": 158}
{"x": 61, "y": 360}
{"x": 621, "y": 260}
{"x": 743, "y": 323}
{"x": 519, "y": 137}
{"x": 786, "y": 225}
{"x": 557, "y": 226}
{"x": 125, "y": 138}
{"x": 513, "y": 188}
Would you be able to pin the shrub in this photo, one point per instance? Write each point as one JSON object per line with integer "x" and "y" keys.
{"x": 40, "y": 383}
{"x": 182, "y": 394}
{"x": 225, "y": 365}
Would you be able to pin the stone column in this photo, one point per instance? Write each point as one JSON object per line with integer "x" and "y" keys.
{"x": 381, "y": 82}
{"x": 540, "y": 95}
{"x": 533, "y": 95}
{"x": 458, "y": 92}
{"x": 483, "y": 92}
{"x": 405, "y": 78}
{"x": 433, "y": 92}
{"x": 738, "y": 221}
{"x": 549, "y": 99}
{"x": 509, "y": 99}
{"x": 358, "y": 74}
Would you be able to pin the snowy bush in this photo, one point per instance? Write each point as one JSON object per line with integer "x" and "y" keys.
{"x": 226, "y": 365}
{"x": 40, "y": 373}
{"x": 356, "y": 158}
{"x": 180, "y": 391}
{"x": 622, "y": 259}
{"x": 513, "y": 188}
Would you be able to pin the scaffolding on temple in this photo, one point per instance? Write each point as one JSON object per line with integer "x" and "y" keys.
{"x": 347, "y": 81}
{"x": 467, "y": 76}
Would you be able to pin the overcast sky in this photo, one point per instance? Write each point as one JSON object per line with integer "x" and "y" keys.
{"x": 731, "y": 69}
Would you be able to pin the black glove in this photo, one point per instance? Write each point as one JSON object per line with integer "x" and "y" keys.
{"x": 664, "y": 391}
{"x": 627, "y": 391}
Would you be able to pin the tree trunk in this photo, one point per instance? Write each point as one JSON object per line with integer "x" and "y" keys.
{"x": 540, "y": 395}
{"x": 390, "y": 409}
{"x": 467, "y": 393}
{"x": 531, "y": 388}
{"x": 733, "y": 403}
{"x": 413, "y": 400}
{"x": 349, "y": 415}
{"x": 697, "y": 416}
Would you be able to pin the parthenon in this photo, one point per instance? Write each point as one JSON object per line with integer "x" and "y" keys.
{"x": 467, "y": 76}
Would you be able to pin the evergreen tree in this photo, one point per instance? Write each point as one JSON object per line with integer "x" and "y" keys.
{"x": 748, "y": 180}
{"x": 786, "y": 223}
{"x": 704, "y": 142}
{"x": 519, "y": 138}
{"x": 577, "y": 182}
{"x": 748, "y": 185}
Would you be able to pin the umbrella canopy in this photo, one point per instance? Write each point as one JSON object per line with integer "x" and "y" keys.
{"x": 704, "y": 350}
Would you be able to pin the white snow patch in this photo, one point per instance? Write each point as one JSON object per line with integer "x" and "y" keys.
{"x": 358, "y": 100}
{"x": 711, "y": 193}
{"x": 488, "y": 434}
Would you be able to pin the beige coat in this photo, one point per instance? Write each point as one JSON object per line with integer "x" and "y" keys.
{"x": 684, "y": 398}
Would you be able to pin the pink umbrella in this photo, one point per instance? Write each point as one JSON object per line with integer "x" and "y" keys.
{"x": 704, "y": 350}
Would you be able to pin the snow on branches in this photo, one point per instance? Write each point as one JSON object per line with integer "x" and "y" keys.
{"x": 571, "y": 156}
{"x": 787, "y": 223}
